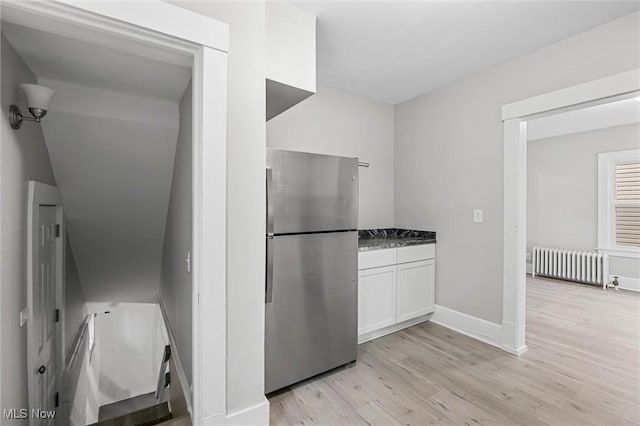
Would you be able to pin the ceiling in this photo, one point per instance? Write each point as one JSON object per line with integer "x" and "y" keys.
{"x": 55, "y": 57}
{"x": 611, "y": 114}
{"x": 395, "y": 50}
{"x": 114, "y": 170}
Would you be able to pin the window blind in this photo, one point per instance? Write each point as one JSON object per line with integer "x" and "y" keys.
{"x": 628, "y": 204}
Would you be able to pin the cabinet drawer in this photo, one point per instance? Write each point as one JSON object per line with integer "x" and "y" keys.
{"x": 416, "y": 253}
{"x": 377, "y": 258}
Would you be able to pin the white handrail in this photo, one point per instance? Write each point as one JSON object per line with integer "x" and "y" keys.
{"x": 72, "y": 355}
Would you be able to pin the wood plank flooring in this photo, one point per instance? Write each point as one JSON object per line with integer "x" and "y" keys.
{"x": 582, "y": 368}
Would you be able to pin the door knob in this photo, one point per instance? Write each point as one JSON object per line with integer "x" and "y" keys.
{"x": 42, "y": 369}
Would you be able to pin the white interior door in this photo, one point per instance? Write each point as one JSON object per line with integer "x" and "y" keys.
{"x": 43, "y": 316}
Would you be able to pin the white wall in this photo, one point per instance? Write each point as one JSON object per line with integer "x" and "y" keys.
{"x": 290, "y": 45}
{"x": 129, "y": 344}
{"x": 339, "y": 123}
{"x": 175, "y": 281}
{"x": 23, "y": 157}
{"x": 449, "y": 156}
{"x": 245, "y": 189}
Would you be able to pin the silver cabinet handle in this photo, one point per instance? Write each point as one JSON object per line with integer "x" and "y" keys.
{"x": 269, "y": 201}
{"x": 268, "y": 297}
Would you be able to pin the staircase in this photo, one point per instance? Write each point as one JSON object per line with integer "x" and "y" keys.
{"x": 154, "y": 415}
{"x": 149, "y": 409}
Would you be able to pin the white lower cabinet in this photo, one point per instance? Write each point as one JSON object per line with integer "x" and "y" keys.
{"x": 376, "y": 298}
{"x": 415, "y": 289}
{"x": 396, "y": 289}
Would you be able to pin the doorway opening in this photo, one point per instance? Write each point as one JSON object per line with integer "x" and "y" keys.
{"x": 516, "y": 117}
{"x": 570, "y": 318}
{"x": 124, "y": 135}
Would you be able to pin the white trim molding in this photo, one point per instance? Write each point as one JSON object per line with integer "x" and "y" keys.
{"x": 209, "y": 160}
{"x": 606, "y": 203}
{"x": 623, "y": 85}
{"x": 620, "y": 252}
{"x": 515, "y": 115}
{"x": 156, "y": 22}
{"x": 257, "y": 415}
{"x": 483, "y": 330}
{"x": 514, "y": 237}
{"x": 175, "y": 35}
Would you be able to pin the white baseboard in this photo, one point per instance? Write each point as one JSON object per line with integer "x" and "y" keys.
{"x": 365, "y": 337}
{"x": 517, "y": 352}
{"x": 510, "y": 339}
{"x": 485, "y": 331}
{"x": 627, "y": 283}
{"x": 257, "y": 415}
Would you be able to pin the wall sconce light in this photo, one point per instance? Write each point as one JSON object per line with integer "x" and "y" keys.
{"x": 38, "y": 98}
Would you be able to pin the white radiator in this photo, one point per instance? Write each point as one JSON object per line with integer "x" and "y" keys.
{"x": 580, "y": 266}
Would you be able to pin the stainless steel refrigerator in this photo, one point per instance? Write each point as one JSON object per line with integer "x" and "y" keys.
{"x": 311, "y": 267}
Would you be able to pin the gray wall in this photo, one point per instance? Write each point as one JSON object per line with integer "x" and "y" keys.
{"x": 175, "y": 282}
{"x": 338, "y": 123}
{"x": 246, "y": 190}
{"x": 75, "y": 308}
{"x": 78, "y": 394}
{"x": 449, "y": 156}
{"x": 562, "y": 189}
{"x": 23, "y": 157}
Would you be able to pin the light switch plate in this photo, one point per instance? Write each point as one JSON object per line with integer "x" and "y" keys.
{"x": 477, "y": 216}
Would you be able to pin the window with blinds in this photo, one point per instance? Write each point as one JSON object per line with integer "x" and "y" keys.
{"x": 628, "y": 204}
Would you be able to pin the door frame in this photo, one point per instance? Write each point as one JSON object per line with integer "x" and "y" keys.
{"x": 166, "y": 27}
{"x": 40, "y": 194}
{"x": 515, "y": 116}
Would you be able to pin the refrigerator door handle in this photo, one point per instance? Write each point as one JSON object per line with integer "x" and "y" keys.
{"x": 268, "y": 297}
{"x": 269, "y": 202}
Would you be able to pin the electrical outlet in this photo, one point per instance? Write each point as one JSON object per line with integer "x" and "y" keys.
{"x": 477, "y": 216}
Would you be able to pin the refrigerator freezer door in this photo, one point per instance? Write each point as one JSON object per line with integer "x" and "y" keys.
{"x": 312, "y": 192}
{"x": 311, "y": 323}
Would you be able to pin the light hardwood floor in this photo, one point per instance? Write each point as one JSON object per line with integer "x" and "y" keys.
{"x": 582, "y": 368}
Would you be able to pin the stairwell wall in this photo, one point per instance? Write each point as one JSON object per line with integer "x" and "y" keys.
{"x": 23, "y": 157}
{"x": 175, "y": 289}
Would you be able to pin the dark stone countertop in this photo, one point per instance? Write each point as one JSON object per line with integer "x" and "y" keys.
{"x": 377, "y": 239}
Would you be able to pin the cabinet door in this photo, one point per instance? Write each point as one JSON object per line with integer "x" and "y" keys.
{"x": 416, "y": 285}
{"x": 376, "y": 298}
